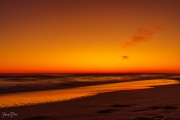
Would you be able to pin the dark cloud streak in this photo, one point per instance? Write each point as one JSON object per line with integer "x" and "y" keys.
{"x": 142, "y": 35}
{"x": 125, "y": 57}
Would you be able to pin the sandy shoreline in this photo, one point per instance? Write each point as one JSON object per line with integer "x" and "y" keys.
{"x": 160, "y": 102}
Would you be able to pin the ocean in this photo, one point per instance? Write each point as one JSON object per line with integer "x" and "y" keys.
{"x": 27, "y": 89}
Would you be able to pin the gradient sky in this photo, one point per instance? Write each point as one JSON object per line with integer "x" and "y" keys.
{"x": 72, "y": 36}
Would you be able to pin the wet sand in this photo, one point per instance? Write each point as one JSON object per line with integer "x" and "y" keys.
{"x": 159, "y": 103}
{"x": 39, "y": 97}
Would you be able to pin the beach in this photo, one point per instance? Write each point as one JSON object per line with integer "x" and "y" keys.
{"x": 89, "y": 60}
{"x": 156, "y": 103}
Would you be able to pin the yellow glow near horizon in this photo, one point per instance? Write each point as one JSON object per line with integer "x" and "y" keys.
{"x": 88, "y": 36}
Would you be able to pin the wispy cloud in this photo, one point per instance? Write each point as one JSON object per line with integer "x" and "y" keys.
{"x": 125, "y": 57}
{"x": 142, "y": 35}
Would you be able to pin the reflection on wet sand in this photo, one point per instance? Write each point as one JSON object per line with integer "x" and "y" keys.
{"x": 26, "y": 98}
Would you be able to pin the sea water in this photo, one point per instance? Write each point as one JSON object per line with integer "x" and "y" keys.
{"x": 28, "y": 89}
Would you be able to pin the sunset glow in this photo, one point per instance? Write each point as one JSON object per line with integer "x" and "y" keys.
{"x": 89, "y": 36}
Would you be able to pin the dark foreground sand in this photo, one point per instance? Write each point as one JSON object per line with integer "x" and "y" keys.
{"x": 160, "y": 103}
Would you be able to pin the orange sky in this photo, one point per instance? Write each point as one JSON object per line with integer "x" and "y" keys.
{"x": 75, "y": 36}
